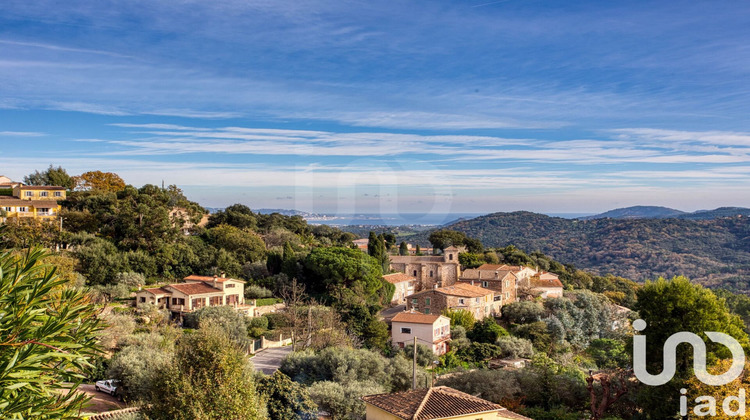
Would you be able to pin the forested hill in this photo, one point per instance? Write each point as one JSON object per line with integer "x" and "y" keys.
{"x": 655, "y": 212}
{"x": 711, "y": 252}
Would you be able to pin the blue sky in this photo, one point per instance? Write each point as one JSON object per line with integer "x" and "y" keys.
{"x": 408, "y": 106}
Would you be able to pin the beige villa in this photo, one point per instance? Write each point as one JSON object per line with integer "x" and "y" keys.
{"x": 430, "y": 271}
{"x": 435, "y": 403}
{"x": 430, "y": 330}
{"x": 194, "y": 293}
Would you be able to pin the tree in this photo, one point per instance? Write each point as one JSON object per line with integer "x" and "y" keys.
{"x": 139, "y": 362}
{"x": 48, "y": 340}
{"x": 286, "y": 399}
{"x": 608, "y": 353}
{"x": 343, "y": 402}
{"x": 672, "y": 306}
{"x": 460, "y": 317}
{"x": 515, "y": 347}
{"x": 98, "y": 181}
{"x": 209, "y": 378}
{"x": 486, "y": 331}
{"x": 523, "y": 312}
{"x": 403, "y": 249}
{"x": 51, "y": 177}
{"x": 418, "y": 251}
{"x": 441, "y": 239}
{"x": 233, "y": 323}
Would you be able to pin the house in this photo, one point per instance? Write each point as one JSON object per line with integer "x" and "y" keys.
{"x": 405, "y": 286}
{"x": 430, "y": 330}
{"x": 361, "y": 244}
{"x": 440, "y": 270}
{"x": 440, "y": 402}
{"x": 546, "y": 285}
{"x": 479, "y": 301}
{"x": 196, "y": 292}
{"x": 30, "y": 201}
{"x": 500, "y": 279}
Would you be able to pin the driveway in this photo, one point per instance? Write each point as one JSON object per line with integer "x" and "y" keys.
{"x": 99, "y": 402}
{"x": 269, "y": 360}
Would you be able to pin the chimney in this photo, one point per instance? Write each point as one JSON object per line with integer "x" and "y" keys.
{"x": 223, "y": 275}
{"x": 472, "y": 282}
{"x": 140, "y": 287}
{"x": 434, "y": 286}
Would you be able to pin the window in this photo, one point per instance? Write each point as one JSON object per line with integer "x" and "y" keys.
{"x": 507, "y": 295}
{"x": 29, "y": 193}
{"x": 507, "y": 283}
{"x": 43, "y": 194}
{"x": 485, "y": 283}
{"x": 477, "y": 300}
{"x": 430, "y": 273}
{"x": 229, "y": 285}
{"x": 405, "y": 330}
{"x": 460, "y": 301}
{"x": 216, "y": 300}
{"x": 413, "y": 301}
{"x": 199, "y": 303}
{"x": 427, "y": 311}
{"x": 143, "y": 299}
{"x": 450, "y": 257}
{"x": 23, "y": 209}
{"x": 427, "y": 301}
{"x": 415, "y": 273}
{"x": 42, "y": 211}
{"x": 9, "y": 209}
{"x": 58, "y": 194}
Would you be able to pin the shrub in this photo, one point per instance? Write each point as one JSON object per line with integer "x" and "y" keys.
{"x": 523, "y": 312}
{"x": 486, "y": 331}
{"x": 515, "y": 347}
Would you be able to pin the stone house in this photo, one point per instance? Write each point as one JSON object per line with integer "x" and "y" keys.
{"x": 430, "y": 271}
{"x": 479, "y": 301}
{"x": 434, "y": 403}
{"x": 430, "y": 330}
{"x": 499, "y": 279}
{"x": 405, "y": 286}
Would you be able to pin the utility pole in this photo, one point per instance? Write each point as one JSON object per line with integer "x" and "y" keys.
{"x": 414, "y": 366}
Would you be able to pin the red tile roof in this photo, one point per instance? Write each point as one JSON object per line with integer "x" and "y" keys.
{"x": 42, "y": 187}
{"x": 15, "y": 201}
{"x": 415, "y": 318}
{"x": 194, "y": 288}
{"x": 158, "y": 291}
{"x": 210, "y": 278}
{"x": 546, "y": 282}
{"x": 436, "y": 403}
{"x": 398, "y": 278}
{"x": 464, "y": 290}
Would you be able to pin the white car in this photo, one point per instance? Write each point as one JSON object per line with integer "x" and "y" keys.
{"x": 109, "y": 386}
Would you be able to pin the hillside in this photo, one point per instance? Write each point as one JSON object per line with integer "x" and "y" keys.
{"x": 712, "y": 252}
{"x": 656, "y": 212}
{"x": 637, "y": 212}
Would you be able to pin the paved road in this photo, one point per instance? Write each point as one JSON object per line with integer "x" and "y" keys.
{"x": 269, "y": 360}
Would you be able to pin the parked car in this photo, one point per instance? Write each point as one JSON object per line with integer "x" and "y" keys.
{"x": 109, "y": 386}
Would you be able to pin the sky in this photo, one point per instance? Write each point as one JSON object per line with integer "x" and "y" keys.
{"x": 386, "y": 106}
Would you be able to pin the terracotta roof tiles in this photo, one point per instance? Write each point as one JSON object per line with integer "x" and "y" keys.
{"x": 194, "y": 288}
{"x": 436, "y": 403}
{"x": 415, "y": 318}
{"x": 398, "y": 278}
